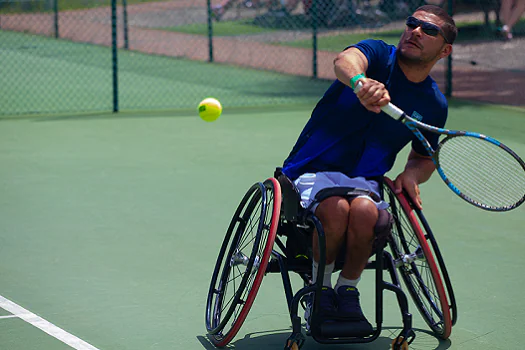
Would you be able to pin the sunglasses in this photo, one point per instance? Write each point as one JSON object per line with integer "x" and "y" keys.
{"x": 426, "y": 27}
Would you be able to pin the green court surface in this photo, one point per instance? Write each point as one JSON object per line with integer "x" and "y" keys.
{"x": 110, "y": 227}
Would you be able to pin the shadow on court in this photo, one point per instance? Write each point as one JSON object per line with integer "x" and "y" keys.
{"x": 276, "y": 339}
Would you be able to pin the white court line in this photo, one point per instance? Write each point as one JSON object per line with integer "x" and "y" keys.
{"x": 8, "y": 316}
{"x": 46, "y": 326}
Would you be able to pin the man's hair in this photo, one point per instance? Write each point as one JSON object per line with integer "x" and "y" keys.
{"x": 449, "y": 27}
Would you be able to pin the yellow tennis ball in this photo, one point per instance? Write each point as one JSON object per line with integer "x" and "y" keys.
{"x": 210, "y": 109}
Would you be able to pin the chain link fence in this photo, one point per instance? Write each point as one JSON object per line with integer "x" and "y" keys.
{"x": 53, "y": 60}
{"x": 96, "y": 55}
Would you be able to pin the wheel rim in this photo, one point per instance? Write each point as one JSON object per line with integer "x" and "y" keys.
{"x": 416, "y": 263}
{"x": 249, "y": 241}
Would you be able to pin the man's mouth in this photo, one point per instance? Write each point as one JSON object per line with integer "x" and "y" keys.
{"x": 413, "y": 43}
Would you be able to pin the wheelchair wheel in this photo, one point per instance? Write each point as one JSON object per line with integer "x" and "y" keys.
{"x": 242, "y": 261}
{"x": 416, "y": 263}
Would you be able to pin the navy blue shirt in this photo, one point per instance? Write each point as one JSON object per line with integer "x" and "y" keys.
{"x": 344, "y": 136}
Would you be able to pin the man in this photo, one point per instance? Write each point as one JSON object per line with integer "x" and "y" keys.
{"x": 348, "y": 141}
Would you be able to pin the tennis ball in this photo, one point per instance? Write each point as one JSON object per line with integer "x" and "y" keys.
{"x": 210, "y": 109}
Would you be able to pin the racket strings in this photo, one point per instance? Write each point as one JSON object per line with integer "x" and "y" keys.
{"x": 483, "y": 171}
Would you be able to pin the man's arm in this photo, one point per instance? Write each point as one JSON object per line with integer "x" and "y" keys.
{"x": 352, "y": 62}
{"x": 418, "y": 170}
{"x": 349, "y": 63}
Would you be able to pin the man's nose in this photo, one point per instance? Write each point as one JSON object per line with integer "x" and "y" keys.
{"x": 417, "y": 31}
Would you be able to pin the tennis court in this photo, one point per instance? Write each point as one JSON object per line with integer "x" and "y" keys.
{"x": 111, "y": 225}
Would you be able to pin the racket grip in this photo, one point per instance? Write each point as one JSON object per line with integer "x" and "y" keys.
{"x": 389, "y": 109}
{"x": 393, "y": 111}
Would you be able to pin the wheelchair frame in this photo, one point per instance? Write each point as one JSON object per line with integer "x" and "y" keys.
{"x": 272, "y": 209}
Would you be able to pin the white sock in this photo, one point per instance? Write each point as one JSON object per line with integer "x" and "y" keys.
{"x": 328, "y": 269}
{"x": 341, "y": 281}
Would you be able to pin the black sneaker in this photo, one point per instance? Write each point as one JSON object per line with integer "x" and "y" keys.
{"x": 327, "y": 306}
{"x": 349, "y": 311}
{"x": 327, "y": 302}
{"x": 348, "y": 306}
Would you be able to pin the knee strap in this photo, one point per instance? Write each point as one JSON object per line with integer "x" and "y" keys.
{"x": 382, "y": 229}
{"x": 347, "y": 192}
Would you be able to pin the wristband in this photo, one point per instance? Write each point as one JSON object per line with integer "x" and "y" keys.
{"x": 354, "y": 80}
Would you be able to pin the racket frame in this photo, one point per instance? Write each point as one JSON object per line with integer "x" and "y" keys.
{"x": 415, "y": 126}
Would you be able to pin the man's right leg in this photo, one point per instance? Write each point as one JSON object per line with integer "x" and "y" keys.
{"x": 359, "y": 242}
{"x": 333, "y": 213}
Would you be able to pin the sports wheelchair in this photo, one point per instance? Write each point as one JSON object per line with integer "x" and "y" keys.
{"x": 271, "y": 232}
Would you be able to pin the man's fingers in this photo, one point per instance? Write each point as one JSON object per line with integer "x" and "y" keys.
{"x": 373, "y": 108}
{"x": 374, "y": 92}
{"x": 414, "y": 194}
{"x": 418, "y": 202}
{"x": 375, "y": 98}
{"x": 373, "y": 95}
{"x": 398, "y": 186}
{"x": 384, "y": 101}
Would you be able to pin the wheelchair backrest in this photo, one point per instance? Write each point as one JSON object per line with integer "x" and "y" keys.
{"x": 291, "y": 199}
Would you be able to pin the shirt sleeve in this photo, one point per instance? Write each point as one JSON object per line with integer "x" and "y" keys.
{"x": 377, "y": 53}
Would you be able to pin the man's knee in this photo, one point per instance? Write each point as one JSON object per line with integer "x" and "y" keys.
{"x": 363, "y": 213}
{"x": 333, "y": 213}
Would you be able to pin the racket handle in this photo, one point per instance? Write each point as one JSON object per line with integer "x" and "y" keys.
{"x": 393, "y": 111}
{"x": 389, "y": 109}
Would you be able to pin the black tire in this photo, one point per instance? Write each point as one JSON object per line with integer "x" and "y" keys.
{"x": 242, "y": 261}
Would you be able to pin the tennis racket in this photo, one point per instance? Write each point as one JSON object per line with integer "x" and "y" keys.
{"x": 479, "y": 169}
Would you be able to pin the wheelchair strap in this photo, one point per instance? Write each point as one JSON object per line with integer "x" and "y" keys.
{"x": 346, "y": 192}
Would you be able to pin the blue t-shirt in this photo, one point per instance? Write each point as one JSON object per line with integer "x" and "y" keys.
{"x": 344, "y": 136}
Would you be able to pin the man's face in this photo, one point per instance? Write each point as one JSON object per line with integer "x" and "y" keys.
{"x": 417, "y": 46}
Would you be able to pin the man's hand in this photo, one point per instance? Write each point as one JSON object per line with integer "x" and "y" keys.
{"x": 373, "y": 95}
{"x": 418, "y": 169}
{"x": 408, "y": 182}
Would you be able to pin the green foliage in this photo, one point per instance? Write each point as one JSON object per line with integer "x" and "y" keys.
{"x": 227, "y": 28}
{"x": 63, "y": 5}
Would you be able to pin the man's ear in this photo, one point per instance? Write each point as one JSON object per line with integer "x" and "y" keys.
{"x": 446, "y": 51}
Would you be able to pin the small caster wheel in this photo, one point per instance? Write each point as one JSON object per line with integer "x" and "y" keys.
{"x": 399, "y": 344}
{"x": 291, "y": 345}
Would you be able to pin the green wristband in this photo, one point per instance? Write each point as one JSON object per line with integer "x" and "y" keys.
{"x": 354, "y": 80}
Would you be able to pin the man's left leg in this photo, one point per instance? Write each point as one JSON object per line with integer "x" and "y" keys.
{"x": 359, "y": 241}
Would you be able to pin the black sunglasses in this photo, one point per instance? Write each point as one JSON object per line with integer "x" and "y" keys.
{"x": 427, "y": 28}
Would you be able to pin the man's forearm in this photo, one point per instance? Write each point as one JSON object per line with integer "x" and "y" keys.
{"x": 420, "y": 168}
{"x": 348, "y": 64}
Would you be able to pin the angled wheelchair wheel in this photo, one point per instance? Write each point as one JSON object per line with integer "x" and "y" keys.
{"x": 415, "y": 260}
{"x": 242, "y": 261}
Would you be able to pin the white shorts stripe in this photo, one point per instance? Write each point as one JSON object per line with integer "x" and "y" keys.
{"x": 310, "y": 184}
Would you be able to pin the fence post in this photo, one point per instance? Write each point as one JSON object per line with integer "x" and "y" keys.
{"x": 114, "y": 53}
{"x": 55, "y": 10}
{"x": 314, "y": 18}
{"x": 210, "y": 32}
{"x": 125, "y": 23}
